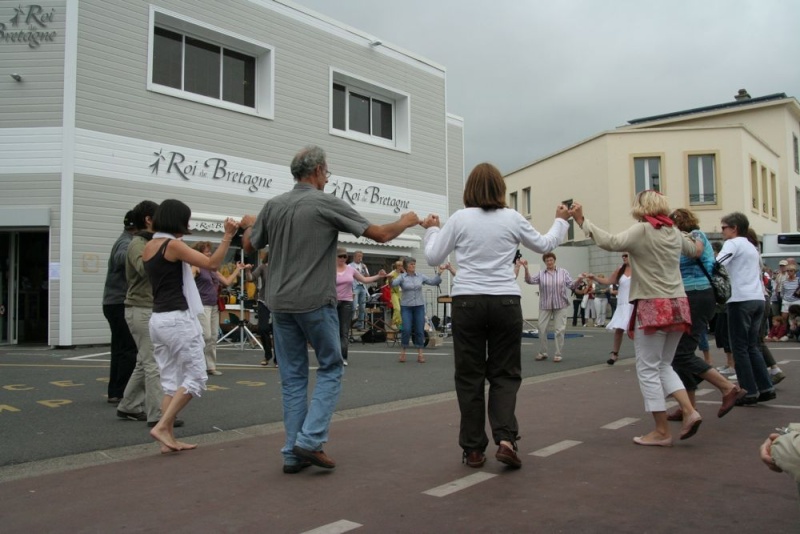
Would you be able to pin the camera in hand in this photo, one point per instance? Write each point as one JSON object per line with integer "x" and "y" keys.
{"x": 517, "y": 256}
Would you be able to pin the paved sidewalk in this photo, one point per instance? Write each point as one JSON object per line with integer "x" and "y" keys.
{"x": 400, "y": 471}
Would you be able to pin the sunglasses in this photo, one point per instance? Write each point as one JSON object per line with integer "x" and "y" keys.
{"x": 724, "y": 226}
{"x": 342, "y": 256}
{"x": 624, "y": 255}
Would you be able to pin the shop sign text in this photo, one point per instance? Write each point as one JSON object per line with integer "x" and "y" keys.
{"x": 29, "y": 25}
{"x": 214, "y": 168}
{"x": 371, "y": 195}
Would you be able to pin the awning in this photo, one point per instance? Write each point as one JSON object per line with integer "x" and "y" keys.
{"x": 209, "y": 222}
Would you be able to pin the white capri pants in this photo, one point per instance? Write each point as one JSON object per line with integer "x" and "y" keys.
{"x": 657, "y": 379}
{"x": 178, "y": 349}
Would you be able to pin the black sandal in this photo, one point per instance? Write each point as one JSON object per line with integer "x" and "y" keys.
{"x": 612, "y": 361}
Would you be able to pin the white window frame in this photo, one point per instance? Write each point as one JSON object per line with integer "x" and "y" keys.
{"x": 399, "y": 100}
{"x": 715, "y": 157}
{"x": 263, "y": 53}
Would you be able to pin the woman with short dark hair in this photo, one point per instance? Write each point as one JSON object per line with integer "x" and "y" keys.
{"x": 487, "y": 317}
{"x": 174, "y": 326}
{"x": 745, "y": 309}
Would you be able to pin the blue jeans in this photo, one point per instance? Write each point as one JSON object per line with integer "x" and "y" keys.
{"x": 413, "y": 320}
{"x": 744, "y": 329}
{"x": 360, "y": 300}
{"x": 307, "y": 423}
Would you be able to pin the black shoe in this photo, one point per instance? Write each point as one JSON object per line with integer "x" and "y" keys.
{"x": 178, "y": 423}
{"x": 767, "y": 396}
{"x": 291, "y": 469}
{"x": 140, "y": 416}
{"x": 746, "y": 401}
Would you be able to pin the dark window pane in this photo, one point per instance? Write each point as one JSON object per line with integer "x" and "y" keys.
{"x": 202, "y": 68}
{"x": 708, "y": 179}
{"x": 359, "y": 113}
{"x": 167, "y": 56}
{"x": 238, "y": 78}
{"x": 339, "y": 105}
{"x": 381, "y": 119}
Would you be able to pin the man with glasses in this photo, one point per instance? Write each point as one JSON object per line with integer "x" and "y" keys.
{"x": 301, "y": 228}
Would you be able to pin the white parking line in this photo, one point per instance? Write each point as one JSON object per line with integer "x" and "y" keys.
{"x": 760, "y": 404}
{"x": 334, "y": 528}
{"x": 616, "y": 425}
{"x": 556, "y": 447}
{"x": 89, "y": 357}
{"x": 458, "y": 485}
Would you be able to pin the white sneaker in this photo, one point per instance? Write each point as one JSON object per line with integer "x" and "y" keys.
{"x": 725, "y": 370}
{"x": 784, "y": 338}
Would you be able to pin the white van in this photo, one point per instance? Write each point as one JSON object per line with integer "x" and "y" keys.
{"x": 777, "y": 247}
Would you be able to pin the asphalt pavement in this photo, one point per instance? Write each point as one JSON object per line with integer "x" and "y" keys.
{"x": 395, "y": 441}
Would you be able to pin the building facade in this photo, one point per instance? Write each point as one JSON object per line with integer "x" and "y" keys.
{"x": 110, "y": 102}
{"x": 740, "y": 155}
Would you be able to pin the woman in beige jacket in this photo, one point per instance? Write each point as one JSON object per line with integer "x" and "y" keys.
{"x": 661, "y": 310}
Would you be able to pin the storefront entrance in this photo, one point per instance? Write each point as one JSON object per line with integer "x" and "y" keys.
{"x": 23, "y": 286}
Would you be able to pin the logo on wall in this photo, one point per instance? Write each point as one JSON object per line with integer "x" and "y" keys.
{"x": 29, "y": 25}
{"x": 214, "y": 168}
{"x": 367, "y": 195}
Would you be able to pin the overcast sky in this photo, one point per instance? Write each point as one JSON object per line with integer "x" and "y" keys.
{"x": 530, "y": 77}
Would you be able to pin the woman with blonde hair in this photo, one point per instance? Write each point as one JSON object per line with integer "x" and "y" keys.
{"x": 661, "y": 311}
{"x": 487, "y": 317}
{"x": 397, "y": 293}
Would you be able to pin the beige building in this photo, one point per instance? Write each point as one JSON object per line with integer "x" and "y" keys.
{"x": 740, "y": 155}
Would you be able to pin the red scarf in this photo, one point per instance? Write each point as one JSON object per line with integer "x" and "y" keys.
{"x": 659, "y": 220}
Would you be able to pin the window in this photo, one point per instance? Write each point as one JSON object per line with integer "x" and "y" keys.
{"x": 368, "y": 112}
{"x": 647, "y": 172}
{"x": 764, "y": 191}
{"x": 754, "y": 184}
{"x": 702, "y": 179}
{"x": 192, "y": 60}
{"x": 773, "y": 189}
{"x": 796, "y": 154}
{"x": 513, "y": 201}
{"x": 526, "y": 200}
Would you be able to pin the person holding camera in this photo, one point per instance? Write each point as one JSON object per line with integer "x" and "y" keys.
{"x": 553, "y": 284}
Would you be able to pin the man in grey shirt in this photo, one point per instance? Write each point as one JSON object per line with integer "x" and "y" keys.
{"x": 301, "y": 228}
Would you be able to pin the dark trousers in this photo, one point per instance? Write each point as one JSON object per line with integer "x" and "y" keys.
{"x": 744, "y": 328}
{"x": 344, "y": 308}
{"x": 123, "y": 350}
{"x": 265, "y": 330}
{"x": 686, "y": 363}
{"x": 487, "y": 342}
{"x": 576, "y": 309}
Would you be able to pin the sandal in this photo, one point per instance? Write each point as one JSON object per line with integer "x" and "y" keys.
{"x": 556, "y": 359}
{"x": 540, "y": 357}
{"x": 420, "y": 360}
{"x": 613, "y": 360}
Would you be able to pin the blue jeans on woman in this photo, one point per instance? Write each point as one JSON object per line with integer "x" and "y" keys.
{"x": 307, "y": 423}
{"x": 413, "y": 321}
{"x": 744, "y": 329}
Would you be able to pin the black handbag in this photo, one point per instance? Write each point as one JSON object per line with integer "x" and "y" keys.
{"x": 719, "y": 278}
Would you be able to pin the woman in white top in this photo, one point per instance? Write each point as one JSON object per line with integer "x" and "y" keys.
{"x": 745, "y": 309}
{"x": 622, "y": 315}
{"x": 487, "y": 317}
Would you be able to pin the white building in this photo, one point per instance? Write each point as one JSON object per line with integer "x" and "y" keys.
{"x": 109, "y": 102}
{"x": 740, "y": 155}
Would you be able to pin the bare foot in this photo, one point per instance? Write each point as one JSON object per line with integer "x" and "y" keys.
{"x": 186, "y": 446}
{"x": 165, "y": 449}
{"x": 164, "y": 438}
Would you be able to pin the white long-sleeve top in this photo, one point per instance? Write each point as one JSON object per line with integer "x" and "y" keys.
{"x": 485, "y": 242}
